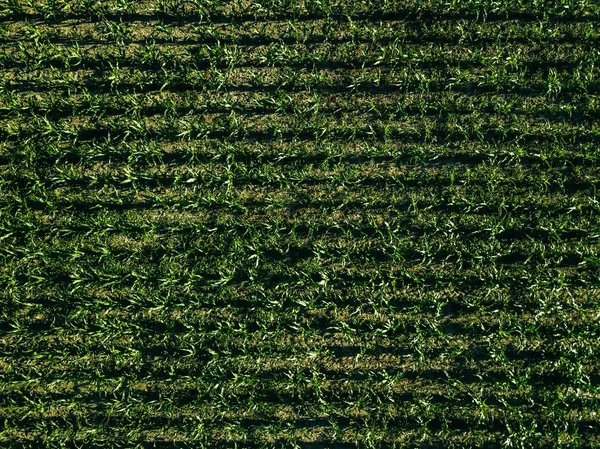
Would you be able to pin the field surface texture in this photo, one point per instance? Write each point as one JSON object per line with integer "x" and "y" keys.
{"x": 299, "y": 224}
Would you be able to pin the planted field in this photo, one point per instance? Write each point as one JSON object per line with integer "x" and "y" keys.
{"x": 305, "y": 224}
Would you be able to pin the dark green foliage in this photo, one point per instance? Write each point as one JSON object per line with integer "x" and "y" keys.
{"x": 312, "y": 224}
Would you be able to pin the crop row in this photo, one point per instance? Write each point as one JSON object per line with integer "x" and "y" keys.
{"x": 114, "y": 33}
{"x": 215, "y": 11}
